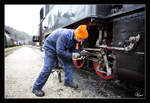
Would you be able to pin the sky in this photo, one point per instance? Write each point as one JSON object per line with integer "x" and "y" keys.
{"x": 23, "y": 17}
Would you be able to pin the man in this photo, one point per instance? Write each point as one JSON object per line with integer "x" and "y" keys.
{"x": 60, "y": 44}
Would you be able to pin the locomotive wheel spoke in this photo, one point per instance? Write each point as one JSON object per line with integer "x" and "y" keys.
{"x": 101, "y": 74}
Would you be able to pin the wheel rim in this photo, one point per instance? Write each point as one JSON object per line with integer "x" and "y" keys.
{"x": 100, "y": 74}
{"x": 78, "y": 63}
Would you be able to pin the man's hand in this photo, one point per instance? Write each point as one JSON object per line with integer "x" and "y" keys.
{"x": 75, "y": 56}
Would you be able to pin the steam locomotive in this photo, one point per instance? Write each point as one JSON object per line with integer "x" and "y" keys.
{"x": 115, "y": 48}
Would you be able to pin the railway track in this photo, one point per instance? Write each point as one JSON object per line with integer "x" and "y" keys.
{"x": 115, "y": 89}
{"x": 10, "y": 50}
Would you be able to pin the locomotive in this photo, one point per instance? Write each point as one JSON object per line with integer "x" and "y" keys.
{"x": 115, "y": 48}
{"x": 9, "y": 41}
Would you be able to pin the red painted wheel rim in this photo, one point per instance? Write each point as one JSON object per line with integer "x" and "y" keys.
{"x": 100, "y": 74}
{"x": 78, "y": 63}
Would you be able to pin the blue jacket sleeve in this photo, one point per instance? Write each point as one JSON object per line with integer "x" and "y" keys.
{"x": 60, "y": 48}
{"x": 76, "y": 50}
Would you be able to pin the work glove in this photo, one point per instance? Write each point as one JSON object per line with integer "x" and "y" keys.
{"x": 75, "y": 56}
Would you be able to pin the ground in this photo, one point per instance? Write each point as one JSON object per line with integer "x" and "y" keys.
{"x": 21, "y": 70}
{"x": 23, "y": 65}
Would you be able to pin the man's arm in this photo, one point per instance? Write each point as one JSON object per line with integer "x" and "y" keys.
{"x": 60, "y": 48}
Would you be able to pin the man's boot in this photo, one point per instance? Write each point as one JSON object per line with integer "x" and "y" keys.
{"x": 38, "y": 93}
{"x": 72, "y": 85}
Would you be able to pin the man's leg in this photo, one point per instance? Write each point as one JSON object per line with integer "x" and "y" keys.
{"x": 44, "y": 74}
{"x": 68, "y": 69}
{"x": 68, "y": 72}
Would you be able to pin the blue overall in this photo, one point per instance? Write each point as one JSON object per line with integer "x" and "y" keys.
{"x": 58, "y": 45}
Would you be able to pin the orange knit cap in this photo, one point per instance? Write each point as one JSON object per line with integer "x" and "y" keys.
{"x": 81, "y": 32}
